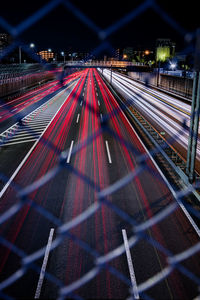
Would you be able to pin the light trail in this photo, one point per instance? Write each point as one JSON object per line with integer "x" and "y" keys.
{"x": 163, "y": 111}
{"x": 13, "y": 107}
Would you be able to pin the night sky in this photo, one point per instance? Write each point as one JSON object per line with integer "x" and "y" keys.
{"x": 60, "y": 29}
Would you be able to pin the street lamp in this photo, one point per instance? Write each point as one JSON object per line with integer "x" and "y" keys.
{"x": 49, "y": 50}
{"x": 71, "y": 56}
{"x": 63, "y": 54}
{"x": 32, "y": 45}
{"x": 173, "y": 66}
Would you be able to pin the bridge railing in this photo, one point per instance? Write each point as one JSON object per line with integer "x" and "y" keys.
{"x": 99, "y": 63}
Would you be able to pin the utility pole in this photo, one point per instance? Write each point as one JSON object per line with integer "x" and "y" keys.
{"x": 111, "y": 74}
{"x": 195, "y": 110}
{"x": 63, "y": 54}
{"x": 20, "y": 55}
{"x": 158, "y": 73}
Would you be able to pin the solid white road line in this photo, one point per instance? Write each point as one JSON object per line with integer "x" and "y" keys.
{"x": 36, "y": 126}
{"x": 44, "y": 265}
{"x": 70, "y": 151}
{"x": 108, "y": 152}
{"x": 20, "y": 142}
{"x": 130, "y": 265}
{"x": 27, "y": 133}
{"x": 38, "y": 120}
{"x": 22, "y": 138}
{"x": 77, "y": 118}
{"x": 39, "y": 123}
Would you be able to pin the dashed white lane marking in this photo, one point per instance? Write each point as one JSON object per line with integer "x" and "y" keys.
{"x": 83, "y": 94}
{"x": 44, "y": 265}
{"x": 101, "y": 116}
{"x": 77, "y": 118}
{"x": 97, "y": 94}
{"x": 130, "y": 265}
{"x": 108, "y": 152}
{"x": 98, "y": 103}
{"x": 70, "y": 151}
{"x": 81, "y": 103}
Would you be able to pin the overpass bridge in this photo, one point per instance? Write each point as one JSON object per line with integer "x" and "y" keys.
{"x": 115, "y": 64}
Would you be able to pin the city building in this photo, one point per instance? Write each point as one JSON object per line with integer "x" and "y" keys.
{"x": 165, "y": 49}
{"x": 5, "y": 40}
{"x": 118, "y": 54}
{"x": 47, "y": 55}
{"x": 128, "y": 53}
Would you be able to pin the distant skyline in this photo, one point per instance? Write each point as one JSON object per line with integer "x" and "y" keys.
{"x": 60, "y": 29}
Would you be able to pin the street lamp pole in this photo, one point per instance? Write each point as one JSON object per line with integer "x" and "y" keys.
{"x": 63, "y": 54}
{"x": 111, "y": 74}
{"x": 20, "y": 55}
{"x": 194, "y": 117}
{"x": 32, "y": 46}
{"x": 158, "y": 73}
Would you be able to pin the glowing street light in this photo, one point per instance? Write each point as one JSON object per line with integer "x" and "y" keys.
{"x": 173, "y": 66}
{"x": 63, "y": 54}
{"x": 49, "y": 50}
{"x": 32, "y": 45}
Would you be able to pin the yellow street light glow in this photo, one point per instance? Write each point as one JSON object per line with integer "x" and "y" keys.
{"x": 163, "y": 53}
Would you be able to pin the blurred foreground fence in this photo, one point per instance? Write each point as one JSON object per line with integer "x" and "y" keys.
{"x": 63, "y": 230}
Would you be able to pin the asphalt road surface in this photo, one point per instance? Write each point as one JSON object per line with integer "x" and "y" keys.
{"x": 104, "y": 160}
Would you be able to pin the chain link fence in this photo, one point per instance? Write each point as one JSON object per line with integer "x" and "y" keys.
{"x": 107, "y": 199}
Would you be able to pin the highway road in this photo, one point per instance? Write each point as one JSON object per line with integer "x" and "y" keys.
{"x": 76, "y": 112}
{"x": 164, "y": 112}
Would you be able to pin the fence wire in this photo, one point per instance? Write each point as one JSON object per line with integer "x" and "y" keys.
{"x": 139, "y": 229}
